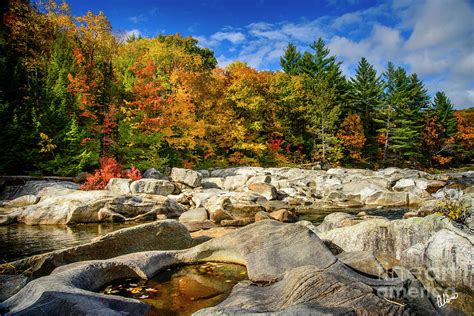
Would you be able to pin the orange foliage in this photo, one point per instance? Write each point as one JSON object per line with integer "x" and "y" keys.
{"x": 352, "y": 136}
{"x": 465, "y": 131}
{"x": 109, "y": 168}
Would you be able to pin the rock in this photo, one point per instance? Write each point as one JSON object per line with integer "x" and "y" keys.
{"x": 196, "y": 226}
{"x": 336, "y": 220}
{"x": 152, "y": 186}
{"x": 290, "y": 258}
{"x": 362, "y": 214}
{"x": 197, "y": 214}
{"x": 119, "y": 186}
{"x": 233, "y": 183}
{"x": 152, "y": 173}
{"x": 23, "y": 200}
{"x": 284, "y": 215}
{"x": 382, "y": 236}
{"x": 210, "y": 183}
{"x": 364, "y": 262}
{"x": 434, "y": 186}
{"x": 199, "y": 199}
{"x": 447, "y": 255}
{"x": 414, "y": 199}
{"x": 237, "y": 206}
{"x": 304, "y": 291}
{"x": 160, "y": 235}
{"x": 237, "y": 222}
{"x": 259, "y": 179}
{"x": 186, "y": 176}
{"x": 388, "y": 199}
{"x": 362, "y": 189}
{"x": 10, "y": 284}
{"x": 205, "y": 173}
{"x": 405, "y": 185}
{"x": 262, "y": 215}
{"x": 7, "y": 220}
{"x": 36, "y": 186}
{"x": 264, "y": 189}
{"x": 271, "y": 206}
{"x": 77, "y": 206}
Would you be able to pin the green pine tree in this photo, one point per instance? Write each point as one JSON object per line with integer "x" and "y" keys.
{"x": 290, "y": 62}
{"x": 444, "y": 110}
{"x": 365, "y": 96}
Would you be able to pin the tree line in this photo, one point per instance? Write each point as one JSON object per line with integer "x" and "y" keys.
{"x": 73, "y": 92}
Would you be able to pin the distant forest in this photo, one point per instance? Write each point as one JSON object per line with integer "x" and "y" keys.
{"x": 73, "y": 92}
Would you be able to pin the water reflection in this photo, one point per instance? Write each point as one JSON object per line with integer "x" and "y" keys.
{"x": 182, "y": 290}
{"x": 19, "y": 241}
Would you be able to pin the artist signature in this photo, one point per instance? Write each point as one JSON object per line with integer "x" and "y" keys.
{"x": 445, "y": 299}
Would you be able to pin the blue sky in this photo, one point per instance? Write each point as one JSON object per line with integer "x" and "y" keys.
{"x": 434, "y": 38}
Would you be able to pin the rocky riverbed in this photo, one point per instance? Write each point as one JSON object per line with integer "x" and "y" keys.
{"x": 353, "y": 262}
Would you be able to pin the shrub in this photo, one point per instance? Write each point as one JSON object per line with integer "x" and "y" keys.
{"x": 109, "y": 168}
{"x": 453, "y": 207}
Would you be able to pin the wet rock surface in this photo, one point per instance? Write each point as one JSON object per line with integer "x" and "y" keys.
{"x": 290, "y": 258}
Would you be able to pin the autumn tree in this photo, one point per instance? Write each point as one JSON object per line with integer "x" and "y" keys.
{"x": 352, "y": 136}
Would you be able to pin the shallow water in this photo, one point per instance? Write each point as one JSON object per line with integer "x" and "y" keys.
{"x": 182, "y": 290}
{"x": 317, "y": 216}
{"x": 19, "y": 241}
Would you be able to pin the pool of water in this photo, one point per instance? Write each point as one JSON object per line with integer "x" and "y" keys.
{"x": 317, "y": 216}
{"x": 182, "y": 290}
{"x": 19, "y": 241}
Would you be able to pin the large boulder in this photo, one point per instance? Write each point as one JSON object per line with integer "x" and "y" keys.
{"x": 447, "y": 255}
{"x": 382, "y": 236}
{"x": 119, "y": 186}
{"x": 152, "y": 186}
{"x": 264, "y": 189}
{"x": 159, "y": 235}
{"x": 188, "y": 177}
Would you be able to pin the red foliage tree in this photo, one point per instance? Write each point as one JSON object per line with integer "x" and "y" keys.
{"x": 109, "y": 168}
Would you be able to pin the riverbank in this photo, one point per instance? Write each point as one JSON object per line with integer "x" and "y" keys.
{"x": 382, "y": 224}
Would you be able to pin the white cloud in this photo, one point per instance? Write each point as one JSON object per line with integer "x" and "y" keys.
{"x": 138, "y": 19}
{"x": 233, "y": 37}
{"x": 434, "y": 38}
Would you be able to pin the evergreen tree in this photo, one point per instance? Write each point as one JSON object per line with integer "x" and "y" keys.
{"x": 444, "y": 110}
{"x": 322, "y": 113}
{"x": 365, "y": 96}
{"x": 405, "y": 98}
{"x": 290, "y": 62}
